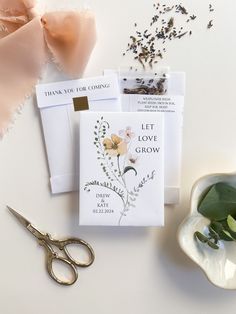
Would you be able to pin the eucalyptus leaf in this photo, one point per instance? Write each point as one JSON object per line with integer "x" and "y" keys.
{"x": 213, "y": 234}
{"x": 231, "y": 223}
{"x": 228, "y": 235}
{"x": 201, "y": 237}
{"x": 218, "y": 202}
{"x": 213, "y": 245}
{"x": 216, "y": 226}
{"x": 219, "y": 227}
{"x": 128, "y": 168}
{"x": 227, "y": 228}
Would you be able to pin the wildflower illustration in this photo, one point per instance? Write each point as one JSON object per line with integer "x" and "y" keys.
{"x": 116, "y": 160}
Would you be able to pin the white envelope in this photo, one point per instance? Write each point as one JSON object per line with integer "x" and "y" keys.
{"x": 172, "y": 105}
{"x": 55, "y": 101}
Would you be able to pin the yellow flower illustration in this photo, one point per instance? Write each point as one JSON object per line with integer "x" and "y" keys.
{"x": 115, "y": 145}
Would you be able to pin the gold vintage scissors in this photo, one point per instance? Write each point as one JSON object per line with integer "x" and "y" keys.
{"x": 48, "y": 242}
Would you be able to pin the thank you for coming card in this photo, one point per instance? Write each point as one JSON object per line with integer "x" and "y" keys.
{"x": 55, "y": 101}
{"x": 121, "y": 169}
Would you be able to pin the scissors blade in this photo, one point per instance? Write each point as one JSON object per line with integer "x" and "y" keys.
{"x": 20, "y": 218}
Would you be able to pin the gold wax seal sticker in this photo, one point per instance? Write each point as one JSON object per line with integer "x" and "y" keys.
{"x": 80, "y": 103}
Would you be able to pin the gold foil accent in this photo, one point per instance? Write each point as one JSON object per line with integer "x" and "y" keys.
{"x": 80, "y": 103}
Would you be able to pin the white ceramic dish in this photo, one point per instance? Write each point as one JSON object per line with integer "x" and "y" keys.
{"x": 218, "y": 265}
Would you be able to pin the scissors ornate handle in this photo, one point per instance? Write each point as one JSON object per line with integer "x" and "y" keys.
{"x": 63, "y": 246}
{"x": 49, "y": 243}
{"x": 51, "y": 256}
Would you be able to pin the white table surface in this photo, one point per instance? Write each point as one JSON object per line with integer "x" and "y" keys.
{"x": 138, "y": 270}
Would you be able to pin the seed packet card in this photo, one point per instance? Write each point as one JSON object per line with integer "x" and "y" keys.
{"x": 159, "y": 92}
{"x": 121, "y": 169}
{"x": 55, "y": 101}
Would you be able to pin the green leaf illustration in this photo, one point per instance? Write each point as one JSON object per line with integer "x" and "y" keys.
{"x": 128, "y": 168}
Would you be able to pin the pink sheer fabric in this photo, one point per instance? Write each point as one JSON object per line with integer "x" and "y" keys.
{"x": 28, "y": 41}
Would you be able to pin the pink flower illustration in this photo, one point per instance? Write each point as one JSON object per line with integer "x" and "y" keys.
{"x": 127, "y": 134}
{"x": 133, "y": 160}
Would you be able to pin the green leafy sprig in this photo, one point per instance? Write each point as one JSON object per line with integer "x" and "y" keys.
{"x": 107, "y": 185}
{"x": 132, "y": 195}
{"x": 219, "y": 205}
{"x": 100, "y": 130}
